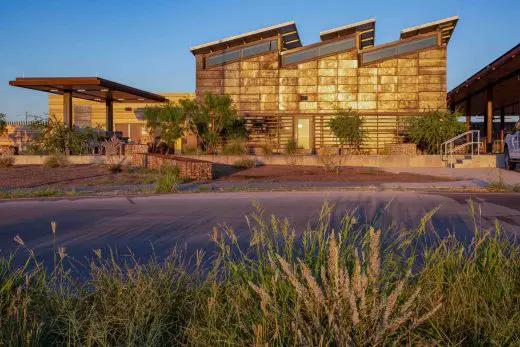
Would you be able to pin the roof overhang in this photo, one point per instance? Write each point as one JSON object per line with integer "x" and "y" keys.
{"x": 446, "y": 26}
{"x": 504, "y": 68}
{"x": 288, "y": 31}
{"x": 88, "y": 88}
{"x": 366, "y": 29}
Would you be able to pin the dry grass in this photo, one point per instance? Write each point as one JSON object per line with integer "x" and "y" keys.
{"x": 353, "y": 286}
{"x": 6, "y": 161}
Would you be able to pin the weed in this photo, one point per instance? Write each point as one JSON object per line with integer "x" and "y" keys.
{"x": 115, "y": 168}
{"x": 291, "y": 147}
{"x": 6, "y": 161}
{"x": 244, "y": 163}
{"x": 56, "y": 160}
{"x": 266, "y": 149}
{"x": 235, "y": 147}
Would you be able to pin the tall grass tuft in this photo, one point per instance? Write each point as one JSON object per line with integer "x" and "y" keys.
{"x": 348, "y": 285}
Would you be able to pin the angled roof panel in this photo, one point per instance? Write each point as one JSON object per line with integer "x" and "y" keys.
{"x": 288, "y": 30}
{"x": 446, "y": 26}
{"x": 366, "y": 28}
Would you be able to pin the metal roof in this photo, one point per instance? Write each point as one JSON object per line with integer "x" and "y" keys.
{"x": 446, "y": 26}
{"x": 366, "y": 28}
{"x": 288, "y": 30}
{"x": 87, "y": 88}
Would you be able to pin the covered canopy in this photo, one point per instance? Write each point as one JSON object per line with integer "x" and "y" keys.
{"x": 446, "y": 26}
{"x": 88, "y": 88}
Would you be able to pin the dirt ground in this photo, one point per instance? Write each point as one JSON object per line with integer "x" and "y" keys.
{"x": 283, "y": 173}
{"x": 34, "y": 176}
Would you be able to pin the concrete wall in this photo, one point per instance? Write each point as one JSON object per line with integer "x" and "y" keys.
{"x": 353, "y": 160}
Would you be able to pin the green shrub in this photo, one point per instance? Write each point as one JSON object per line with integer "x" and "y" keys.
{"x": 235, "y": 147}
{"x": 291, "y": 147}
{"x": 56, "y": 160}
{"x": 347, "y": 127}
{"x": 244, "y": 163}
{"x": 6, "y": 161}
{"x": 168, "y": 178}
{"x": 190, "y": 150}
{"x": 429, "y": 131}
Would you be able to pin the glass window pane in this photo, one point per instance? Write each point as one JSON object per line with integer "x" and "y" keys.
{"x": 274, "y": 45}
{"x": 300, "y": 56}
{"x": 256, "y": 49}
{"x": 417, "y": 45}
{"x": 337, "y": 46}
{"x": 222, "y": 58}
{"x": 379, "y": 54}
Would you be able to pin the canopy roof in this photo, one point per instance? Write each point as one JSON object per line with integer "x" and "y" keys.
{"x": 446, "y": 25}
{"x": 503, "y": 73}
{"x": 365, "y": 28}
{"x": 288, "y": 30}
{"x": 88, "y": 88}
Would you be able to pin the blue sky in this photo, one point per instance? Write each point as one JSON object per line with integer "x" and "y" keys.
{"x": 146, "y": 43}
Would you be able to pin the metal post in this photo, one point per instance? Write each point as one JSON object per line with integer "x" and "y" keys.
{"x": 67, "y": 108}
{"x": 110, "y": 115}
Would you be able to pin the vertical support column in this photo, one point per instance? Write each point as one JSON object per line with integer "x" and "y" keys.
{"x": 110, "y": 115}
{"x": 467, "y": 113}
{"x": 502, "y": 127}
{"x": 67, "y": 108}
{"x": 489, "y": 119}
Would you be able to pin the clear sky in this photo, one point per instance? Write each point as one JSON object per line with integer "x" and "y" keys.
{"x": 146, "y": 43}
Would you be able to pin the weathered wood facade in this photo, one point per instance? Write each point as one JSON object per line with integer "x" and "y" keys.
{"x": 275, "y": 90}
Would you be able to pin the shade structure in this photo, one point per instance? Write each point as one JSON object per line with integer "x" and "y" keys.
{"x": 87, "y": 88}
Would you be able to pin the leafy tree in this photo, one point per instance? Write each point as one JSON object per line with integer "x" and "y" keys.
{"x": 347, "y": 127}
{"x": 169, "y": 118}
{"x": 3, "y": 123}
{"x": 211, "y": 118}
{"x": 429, "y": 131}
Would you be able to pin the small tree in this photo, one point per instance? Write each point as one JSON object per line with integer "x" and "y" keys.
{"x": 211, "y": 118}
{"x": 169, "y": 118}
{"x": 347, "y": 127}
{"x": 3, "y": 123}
{"x": 430, "y": 130}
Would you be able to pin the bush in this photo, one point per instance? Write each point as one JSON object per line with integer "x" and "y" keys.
{"x": 348, "y": 286}
{"x": 169, "y": 177}
{"x": 347, "y": 127}
{"x": 328, "y": 157}
{"x": 115, "y": 168}
{"x": 6, "y": 161}
{"x": 56, "y": 160}
{"x": 429, "y": 131}
{"x": 291, "y": 147}
{"x": 266, "y": 149}
{"x": 244, "y": 164}
{"x": 235, "y": 147}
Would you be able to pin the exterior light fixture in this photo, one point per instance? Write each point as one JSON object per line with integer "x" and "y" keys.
{"x": 80, "y": 90}
{"x": 104, "y": 90}
{"x": 120, "y": 99}
{"x": 141, "y": 99}
{"x": 54, "y": 90}
{"x": 97, "y": 99}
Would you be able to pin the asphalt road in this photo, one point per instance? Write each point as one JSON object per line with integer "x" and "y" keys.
{"x": 155, "y": 224}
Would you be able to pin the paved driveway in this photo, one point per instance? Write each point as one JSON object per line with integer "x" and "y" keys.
{"x": 164, "y": 221}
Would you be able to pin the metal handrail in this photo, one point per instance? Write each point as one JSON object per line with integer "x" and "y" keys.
{"x": 448, "y": 147}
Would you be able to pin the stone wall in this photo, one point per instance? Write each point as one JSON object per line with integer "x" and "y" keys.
{"x": 402, "y": 149}
{"x": 190, "y": 168}
{"x": 133, "y": 148}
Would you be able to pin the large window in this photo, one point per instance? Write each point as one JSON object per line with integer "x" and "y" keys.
{"x": 321, "y": 50}
{"x": 245, "y": 52}
{"x": 392, "y": 51}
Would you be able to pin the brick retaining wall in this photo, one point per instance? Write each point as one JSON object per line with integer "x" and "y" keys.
{"x": 191, "y": 168}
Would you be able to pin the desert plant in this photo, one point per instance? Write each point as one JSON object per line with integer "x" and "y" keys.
{"x": 169, "y": 176}
{"x": 430, "y": 130}
{"x": 347, "y": 127}
{"x": 115, "y": 168}
{"x": 244, "y": 163}
{"x": 190, "y": 150}
{"x": 291, "y": 147}
{"x": 168, "y": 119}
{"x": 235, "y": 147}
{"x": 328, "y": 157}
{"x": 56, "y": 160}
{"x": 266, "y": 149}
{"x": 6, "y": 161}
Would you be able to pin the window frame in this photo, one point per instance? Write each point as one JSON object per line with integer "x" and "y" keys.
{"x": 239, "y": 48}
{"x": 316, "y": 45}
{"x": 397, "y": 43}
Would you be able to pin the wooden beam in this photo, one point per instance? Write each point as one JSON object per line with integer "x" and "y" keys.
{"x": 489, "y": 119}
{"x": 110, "y": 115}
{"x": 502, "y": 126}
{"x": 67, "y": 108}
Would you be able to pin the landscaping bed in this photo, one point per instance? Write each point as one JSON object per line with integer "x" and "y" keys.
{"x": 70, "y": 177}
{"x": 286, "y": 173}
